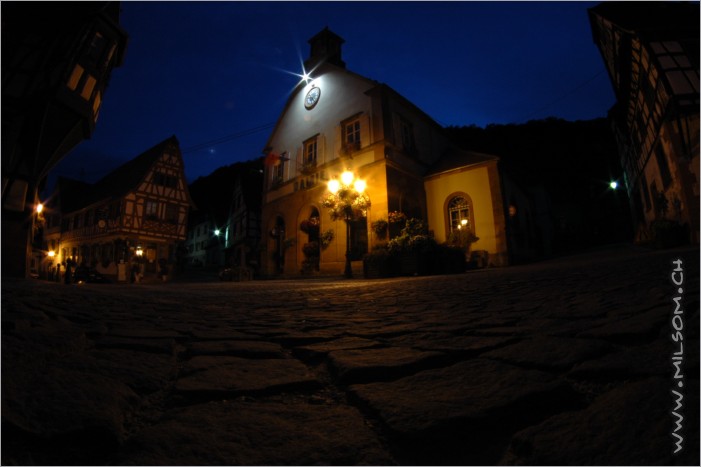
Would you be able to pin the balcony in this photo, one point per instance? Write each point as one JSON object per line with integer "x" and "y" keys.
{"x": 349, "y": 147}
{"x": 308, "y": 167}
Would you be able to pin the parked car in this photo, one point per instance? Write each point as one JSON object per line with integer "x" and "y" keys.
{"x": 88, "y": 275}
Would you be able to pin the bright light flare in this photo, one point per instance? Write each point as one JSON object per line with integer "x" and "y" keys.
{"x": 40, "y": 207}
{"x": 334, "y": 186}
{"x": 613, "y": 185}
{"x": 347, "y": 177}
{"x": 360, "y": 186}
{"x": 217, "y": 232}
{"x": 51, "y": 254}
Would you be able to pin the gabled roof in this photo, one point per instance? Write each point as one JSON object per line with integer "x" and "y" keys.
{"x": 319, "y": 69}
{"x": 127, "y": 176}
{"x": 75, "y": 195}
{"x": 456, "y": 158}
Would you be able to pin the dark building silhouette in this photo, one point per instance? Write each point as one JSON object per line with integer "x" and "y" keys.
{"x": 224, "y": 230}
{"x": 651, "y": 52}
{"x": 57, "y": 58}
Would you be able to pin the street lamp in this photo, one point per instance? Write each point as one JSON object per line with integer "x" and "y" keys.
{"x": 347, "y": 200}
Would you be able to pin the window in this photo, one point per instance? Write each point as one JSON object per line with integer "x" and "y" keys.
{"x": 151, "y": 210}
{"x": 459, "y": 213}
{"x": 168, "y": 181}
{"x": 278, "y": 170}
{"x": 75, "y": 77}
{"x": 172, "y": 213}
{"x": 97, "y": 47}
{"x": 351, "y": 135}
{"x": 88, "y": 88}
{"x": 309, "y": 155}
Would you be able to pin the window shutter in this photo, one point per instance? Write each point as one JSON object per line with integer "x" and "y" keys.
{"x": 320, "y": 149}
{"x": 365, "y": 137}
{"x": 338, "y": 142}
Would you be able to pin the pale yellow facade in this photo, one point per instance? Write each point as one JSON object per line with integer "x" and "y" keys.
{"x": 481, "y": 188}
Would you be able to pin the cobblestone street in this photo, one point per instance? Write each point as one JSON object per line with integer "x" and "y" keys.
{"x": 568, "y": 361}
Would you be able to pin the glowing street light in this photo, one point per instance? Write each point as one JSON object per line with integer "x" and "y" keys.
{"x": 51, "y": 253}
{"x": 40, "y": 207}
{"x": 334, "y": 186}
{"x": 613, "y": 185}
{"x": 347, "y": 201}
{"x": 217, "y": 232}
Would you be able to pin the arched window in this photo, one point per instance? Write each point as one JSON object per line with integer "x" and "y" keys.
{"x": 459, "y": 213}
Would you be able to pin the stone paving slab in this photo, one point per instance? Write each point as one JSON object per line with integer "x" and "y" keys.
{"x": 358, "y": 365}
{"x": 632, "y": 421}
{"x": 466, "y": 405}
{"x": 238, "y": 348}
{"x": 550, "y": 353}
{"x": 344, "y": 343}
{"x": 234, "y": 375}
{"x": 566, "y": 361}
{"x": 257, "y": 433}
{"x": 470, "y": 391}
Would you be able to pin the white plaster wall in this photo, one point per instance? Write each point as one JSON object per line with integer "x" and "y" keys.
{"x": 342, "y": 96}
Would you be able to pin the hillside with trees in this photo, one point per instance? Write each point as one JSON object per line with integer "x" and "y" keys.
{"x": 574, "y": 162}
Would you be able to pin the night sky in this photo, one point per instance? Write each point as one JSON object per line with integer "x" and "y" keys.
{"x": 217, "y": 74}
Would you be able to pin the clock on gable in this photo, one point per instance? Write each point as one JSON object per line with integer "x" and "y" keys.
{"x": 312, "y": 98}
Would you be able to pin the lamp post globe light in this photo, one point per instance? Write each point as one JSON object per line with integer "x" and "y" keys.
{"x": 347, "y": 200}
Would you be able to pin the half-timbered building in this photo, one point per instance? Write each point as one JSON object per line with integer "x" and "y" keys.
{"x": 57, "y": 59}
{"x": 136, "y": 215}
{"x": 651, "y": 53}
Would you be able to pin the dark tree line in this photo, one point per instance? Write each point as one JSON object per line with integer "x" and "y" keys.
{"x": 575, "y": 163}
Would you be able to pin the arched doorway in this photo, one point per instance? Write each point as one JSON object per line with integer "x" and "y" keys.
{"x": 311, "y": 249}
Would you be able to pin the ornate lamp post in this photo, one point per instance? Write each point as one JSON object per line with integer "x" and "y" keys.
{"x": 347, "y": 201}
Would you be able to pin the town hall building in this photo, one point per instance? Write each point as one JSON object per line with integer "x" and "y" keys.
{"x": 337, "y": 121}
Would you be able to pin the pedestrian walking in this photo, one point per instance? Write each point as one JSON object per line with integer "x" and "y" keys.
{"x": 69, "y": 271}
{"x": 163, "y": 269}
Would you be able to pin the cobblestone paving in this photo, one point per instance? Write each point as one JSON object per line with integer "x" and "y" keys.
{"x": 567, "y": 362}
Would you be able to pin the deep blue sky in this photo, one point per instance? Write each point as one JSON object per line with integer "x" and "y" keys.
{"x": 205, "y": 71}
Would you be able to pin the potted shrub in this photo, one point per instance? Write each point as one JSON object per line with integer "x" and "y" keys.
{"x": 380, "y": 228}
{"x": 377, "y": 263}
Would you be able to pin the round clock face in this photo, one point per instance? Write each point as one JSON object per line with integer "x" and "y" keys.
{"x": 312, "y": 98}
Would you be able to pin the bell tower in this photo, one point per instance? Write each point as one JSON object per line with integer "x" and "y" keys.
{"x": 325, "y": 47}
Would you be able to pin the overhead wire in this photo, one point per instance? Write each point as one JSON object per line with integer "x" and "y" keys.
{"x": 225, "y": 139}
{"x": 562, "y": 96}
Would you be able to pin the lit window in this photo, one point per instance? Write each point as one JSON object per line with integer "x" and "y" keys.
{"x": 96, "y": 103}
{"x": 88, "y": 88}
{"x": 75, "y": 77}
{"x": 459, "y": 213}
